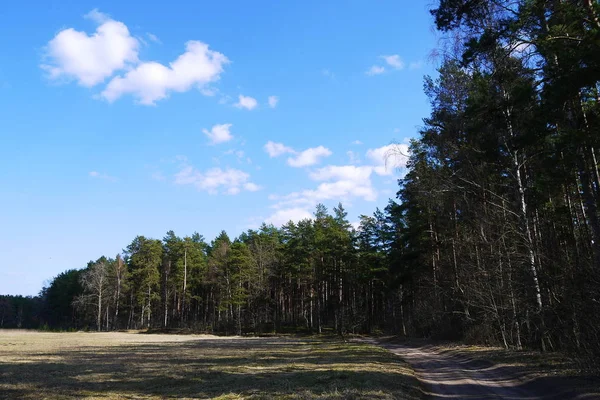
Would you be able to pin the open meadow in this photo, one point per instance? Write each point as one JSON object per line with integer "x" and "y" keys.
{"x": 35, "y": 365}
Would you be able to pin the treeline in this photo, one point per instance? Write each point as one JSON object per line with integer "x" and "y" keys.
{"x": 20, "y": 312}
{"x": 501, "y": 231}
{"x": 312, "y": 275}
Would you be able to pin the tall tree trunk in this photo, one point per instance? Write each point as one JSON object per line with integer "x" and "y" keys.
{"x": 167, "y": 269}
{"x": 120, "y": 267}
{"x": 99, "y": 316}
{"x": 520, "y": 180}
{"x": 184, "y": 280}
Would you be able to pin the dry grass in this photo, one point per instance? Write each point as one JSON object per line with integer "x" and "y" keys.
{"x": 136, "y": 366}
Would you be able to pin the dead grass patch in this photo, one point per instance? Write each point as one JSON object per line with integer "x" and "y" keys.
{"x": 132, "y": 366}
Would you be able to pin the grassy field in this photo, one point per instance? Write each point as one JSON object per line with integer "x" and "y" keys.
{"x": 139, "y": 366}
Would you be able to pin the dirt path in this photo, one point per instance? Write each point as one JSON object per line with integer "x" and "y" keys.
{"x": 452, "y": 375}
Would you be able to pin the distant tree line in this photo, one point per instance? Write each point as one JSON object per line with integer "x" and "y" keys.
{"x": 312, "y": 275}
{"x": 494, "y": 237}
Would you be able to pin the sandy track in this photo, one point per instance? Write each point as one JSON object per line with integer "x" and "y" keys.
{"x": 452, "y": 375}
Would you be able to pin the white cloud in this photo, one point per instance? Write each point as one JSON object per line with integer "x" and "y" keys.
{"x": 247, "y": 102}
{"x": 343, "y": 172}
{"x": 415, "y": 65}
{"x": 341, "y": 190}
{"x": 339, "y": 183}
{"x": 277, "y": 149}
{"x": 304, "y": 158}
{"x": 309, "y": 157}
{"x": 375, "y": 70}
{"x": 273, "y": 100}
{"x": 230, "y": 181}
{"x": 219, "y": 133}
{"x": 152, "y": 81}
{"x": 251, "y": 187}
{"x": 357, "y": 142}
{"x": 388, "y": 158}
{"x": 98, "y": 175}
{"x": 394, "y": 61}
{"x": 90, "y": 59}
{"x": 283, "y": 216}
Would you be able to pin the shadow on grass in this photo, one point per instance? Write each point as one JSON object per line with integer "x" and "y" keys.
{"x": 256, "y": 368}
{"x": 478, "y": 373}
{"x": 553, "y": 375}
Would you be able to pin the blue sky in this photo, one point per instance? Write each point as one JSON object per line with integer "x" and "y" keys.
{"x": 118, "y": 120}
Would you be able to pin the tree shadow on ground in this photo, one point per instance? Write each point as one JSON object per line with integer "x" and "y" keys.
{"x": 456, "y": 372}
{"x": 265, "y": 368}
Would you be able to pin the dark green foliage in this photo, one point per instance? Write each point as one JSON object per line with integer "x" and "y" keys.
{"x": 59, "y": 310}
{"x": 499, "y": 222}
{"x": 20, "y": 312}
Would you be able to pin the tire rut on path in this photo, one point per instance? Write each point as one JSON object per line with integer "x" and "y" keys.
{"x": 452, "y": 375}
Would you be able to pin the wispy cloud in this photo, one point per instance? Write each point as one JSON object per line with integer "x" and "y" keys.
{"x": 153, "y": 37}
{"x": 277, "y": 149}
{"x": 216, "y": 180}
{"x": 353, "y": 157}
{"x": 273, "y": 101}
{"x": 328, "y": 73}
{"x": 240, "y": 155}
{"x": 299, "y": 159}
{"x": 415, "y": 65}
{"x": 340, "y": 183}
{"x": 158, "y": 176}
{"x": 102, "y": 176}
{"x": 375, "y": 70}
{"x": 309, "y": 157}
{"x": 394, "y": 61}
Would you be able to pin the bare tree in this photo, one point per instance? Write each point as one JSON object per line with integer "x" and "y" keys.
{"x": 95, "y": 283}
